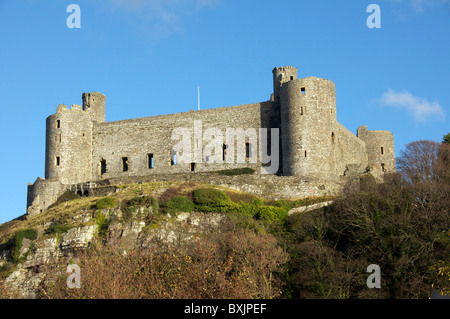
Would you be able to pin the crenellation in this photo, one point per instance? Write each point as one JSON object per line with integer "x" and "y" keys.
{"x": 311, "y": 147}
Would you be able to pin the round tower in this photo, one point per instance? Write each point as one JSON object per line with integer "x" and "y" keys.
{"x": 282, "y": 75}
{"x": 53, "y": 144}
{"x": 68, "y": 153}
{"x": 308, "y": 119}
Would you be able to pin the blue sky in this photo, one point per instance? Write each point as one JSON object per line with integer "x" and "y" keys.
{"x": 148, "y": 57}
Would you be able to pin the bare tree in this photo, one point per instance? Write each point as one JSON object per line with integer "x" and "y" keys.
{"x": 417, "y": 163}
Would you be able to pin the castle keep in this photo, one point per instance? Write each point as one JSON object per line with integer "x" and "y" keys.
{"x": 315, "y": 153}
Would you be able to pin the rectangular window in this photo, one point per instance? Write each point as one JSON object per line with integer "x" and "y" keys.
{"x": 303, "y": 90}
{"x": 125, "y": 164}
{"x": 58, "y": 161}
{"x": 305, "y": 153}
{"x": 301, "y": 110}
{"x": 58, "y": 124}
{"x": 224, "y": 151}
{"x": 150, "y": 161}
{"x": 102, "y": 167}
{"x": 248, "y": 150}
{"x": 173, "y": 158}
{"x": 292, "y": 78}
{"x": 192, "y": 167}
{"x": 382, "y": 150}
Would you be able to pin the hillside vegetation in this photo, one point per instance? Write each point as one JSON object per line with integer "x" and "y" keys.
{"x": 193, "y": 240}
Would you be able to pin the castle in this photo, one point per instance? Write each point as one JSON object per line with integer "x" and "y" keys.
{"x": 303, "y": 138}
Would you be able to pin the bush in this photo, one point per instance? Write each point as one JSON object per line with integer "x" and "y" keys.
{"x": 106, "y": 202}
{"x": 102, "y": 223}
{"x": 142, "y": 201}
{"x": 30, "y": 234}
{"x": 179, "y": 204}
{"x": 237, "y": 171}
{"x": 128, "y": 207}
{"x": 210, "y": 197}
{"x": 271, "y": 214}
{"x": 57, "y": 228}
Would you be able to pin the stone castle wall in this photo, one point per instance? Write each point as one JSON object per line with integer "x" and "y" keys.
{"x": 380, "y": 150}
{"x": 134, "y": 140}
{"x": 42, "y": 194}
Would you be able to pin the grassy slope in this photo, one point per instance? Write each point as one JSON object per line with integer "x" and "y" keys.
{"x": 66, "y": 211}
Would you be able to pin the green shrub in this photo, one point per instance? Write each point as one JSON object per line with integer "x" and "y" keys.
{"x": 102, "y": 223}
{"x": 30, "y": 234}
{"x": 57, "y": 228}
{"x": 236, "y": 171}
{"x": 271, "y": 214}
{"x": 5, "y": 270}
{"x": 210, "y": 197}
{"x": 106, "y": 202}
{"x": 142, "y": 201}
{"x": 179, "y": 204}
{"x": 128, "y": 207}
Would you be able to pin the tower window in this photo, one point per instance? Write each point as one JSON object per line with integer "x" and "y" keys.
{"x": 224, "y": 151}
{"x": 292, "y": 77}
{"x": 102, "y": 166}
{"x": 173, "y": 158}
{"x": 125, "y": 164}
{"x": 383, "y": 167}
{"x": 301, "y": 110}
{"x": 382, "y": 150}
{"x": 58, "y": 123}
{"x": 303, "y": 90}
{"x": 305, "y": 153}
{"x": 150, "y": 161}
{"x": 332, "y": 137}
{"x": 58, "y": 161}
{"x": 248, "y": 150}
{"x": 192, "y": 167}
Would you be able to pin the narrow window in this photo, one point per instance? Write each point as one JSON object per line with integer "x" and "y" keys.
{"x": 301, "y": 110}
{"x": 58, "y": 124}
{"x": 102, "y": 166}
{"x": 303, "y": 90}
{"x": 224, "y": 151}
{"x": 59, "y": 138}
{"x": 382, "y": 150}
{"x": 150, "y": 161}
{"x": 332, "y": 137}
{"x": 382, "y": 167}
{"x": 248, "y": 150}
{"x": 192, "y": 167}
{"x": 125, "y": 164}
{"x": 173, "y": 158}
{"x": 58, "y": 161}
{"x": 305, "y": 153}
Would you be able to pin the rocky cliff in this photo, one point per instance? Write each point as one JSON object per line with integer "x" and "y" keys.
{"x": 134, "y": 216}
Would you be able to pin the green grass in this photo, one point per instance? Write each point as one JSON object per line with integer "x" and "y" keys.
{"x": 179, "y": 204}
{"x": 106, "y": 202}
{"x": 57, "y": 228}
{"x": 30, "y": 234}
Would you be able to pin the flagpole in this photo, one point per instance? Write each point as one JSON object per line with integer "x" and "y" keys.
{"x": 198, "y": 106}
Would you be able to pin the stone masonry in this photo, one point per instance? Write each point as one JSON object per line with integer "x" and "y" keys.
{"x": 304, "y": 142}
